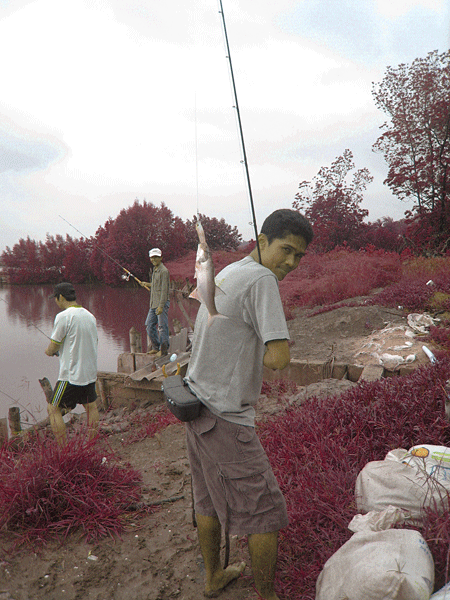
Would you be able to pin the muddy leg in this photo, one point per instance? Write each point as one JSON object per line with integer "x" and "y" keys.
{"x": 263, "y": 548}
{"x": 209, "y": 536}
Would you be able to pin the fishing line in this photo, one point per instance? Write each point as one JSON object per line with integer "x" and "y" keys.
{"x": 10, "y": 397}
{"x": 103, "y": 252}
{"x": 196, "y": 149}
{"x": 20, "y": 405}
{"x": 26, "y": 318}
{"x": 244, "y": 161}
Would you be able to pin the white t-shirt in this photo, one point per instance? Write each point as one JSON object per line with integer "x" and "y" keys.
{"x": 75, "y": 329}
{"x": 226, "y": 365}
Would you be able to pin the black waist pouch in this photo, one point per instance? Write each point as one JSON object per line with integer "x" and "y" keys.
{"x": 179, "y": 399}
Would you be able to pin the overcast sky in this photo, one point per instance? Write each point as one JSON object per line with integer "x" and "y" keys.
{"x": 106, "y": 101}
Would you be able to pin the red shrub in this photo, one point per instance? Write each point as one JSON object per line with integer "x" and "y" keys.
{"x": 338, "y": 275}
{"x": 441, "y": 337}
{"x": 47, "y": 491}
{"x": 411, "y": 295}
{"x": 318, "y": 449}
{"x": 184, "y": 268}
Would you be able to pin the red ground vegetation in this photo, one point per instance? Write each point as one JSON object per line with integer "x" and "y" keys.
{"x": 49, "y": 492}
{"x": 324, "y": 279}
{"x": 317, "y": 451}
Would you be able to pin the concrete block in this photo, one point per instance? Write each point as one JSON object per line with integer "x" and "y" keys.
{"x": 406, "y": 369}
{"x": 142, "y": 360}
{"x": 300, "y": 373}
{"x": 125, "y": 363}
{"x": 339, "y": 371}
{"x": 372, "y": 373}
{"x": 178, "y": 342}
{"x": 354, "y": 372}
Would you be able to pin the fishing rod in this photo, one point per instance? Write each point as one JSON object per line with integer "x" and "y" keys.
{"x": 107, "y": 255}
{"x": 240, "y": 129}
{"x": 20, "y": 405}
{"x": 26, "y": 319}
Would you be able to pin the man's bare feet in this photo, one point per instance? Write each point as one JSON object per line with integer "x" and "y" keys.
{"x": 222, "y": 579}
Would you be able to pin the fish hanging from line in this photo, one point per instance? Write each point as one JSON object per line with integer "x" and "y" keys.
{"x": 206, "y": 289}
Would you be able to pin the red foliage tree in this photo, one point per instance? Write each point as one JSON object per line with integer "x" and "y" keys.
{"x": 76, "y": 263}
{"x": 23, "y": 262}
{"x": 416, "y": 143}
{"x": 126, "y": 240}
{"x": 332, "y": 203}
{"x": 219, "y": 235}
{"x": 384, "y": 233}
{"x": 51, "y": 256}
{"x": 54, "y": 260}
{"x": 121, "y": 242}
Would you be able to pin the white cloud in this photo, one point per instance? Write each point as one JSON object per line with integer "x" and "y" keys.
{"x": 393, "y": 9}
{"x": 98, "y": 102}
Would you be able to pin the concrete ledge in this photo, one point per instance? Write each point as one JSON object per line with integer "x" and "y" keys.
{"x": 372, "y": 373}
{"x": 117, "y": 389}
{"x": 305, "y": 373}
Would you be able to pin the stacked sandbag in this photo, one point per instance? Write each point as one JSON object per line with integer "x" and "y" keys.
{"x": 410, "y": 480}
{"x": 379, "y": 565}
{"x": 442, "y": 594}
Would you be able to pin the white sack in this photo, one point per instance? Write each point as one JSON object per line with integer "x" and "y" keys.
{"x": 384, "y": 483}
{"x": 442, "y": 594}
{"x": 385, "y": 565}
{"x": 394, "y": 482}
{"x": 378, "y": 521}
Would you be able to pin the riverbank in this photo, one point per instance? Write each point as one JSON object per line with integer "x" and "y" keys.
{"x": 158, "y": 558}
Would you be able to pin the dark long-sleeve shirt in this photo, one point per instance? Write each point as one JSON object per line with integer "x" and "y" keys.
{"x": 160, "y": 287}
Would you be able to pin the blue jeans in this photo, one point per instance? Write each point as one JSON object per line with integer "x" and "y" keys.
{"x": 158, "y": 327}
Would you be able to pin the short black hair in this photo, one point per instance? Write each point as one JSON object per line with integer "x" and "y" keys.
{"x": 64, "y": 289}
{"x": 285, "y": 221}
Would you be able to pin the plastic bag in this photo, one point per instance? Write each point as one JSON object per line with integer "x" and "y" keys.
{"x": 435, "y": 460}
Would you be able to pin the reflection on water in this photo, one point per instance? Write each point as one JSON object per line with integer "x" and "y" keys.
{"x": 27, "y": 314}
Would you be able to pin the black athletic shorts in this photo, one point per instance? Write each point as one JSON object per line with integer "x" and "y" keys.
{"x": 67, "y": 395}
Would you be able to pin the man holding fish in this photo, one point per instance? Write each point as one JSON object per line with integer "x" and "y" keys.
{"x": 239, "y": 329}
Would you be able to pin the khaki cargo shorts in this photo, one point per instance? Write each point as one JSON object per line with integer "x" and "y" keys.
{"x": 232, "y": 478}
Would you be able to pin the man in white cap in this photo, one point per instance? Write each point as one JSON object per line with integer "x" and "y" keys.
{"x": 157, "y": 321}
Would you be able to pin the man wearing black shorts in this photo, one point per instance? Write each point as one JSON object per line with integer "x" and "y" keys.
{"x": 75, "y": 339}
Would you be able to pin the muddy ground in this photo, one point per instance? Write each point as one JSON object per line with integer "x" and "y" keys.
{"x": 158, "y": 558}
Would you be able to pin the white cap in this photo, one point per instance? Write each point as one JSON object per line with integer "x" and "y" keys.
{"x": 155, "y": 252}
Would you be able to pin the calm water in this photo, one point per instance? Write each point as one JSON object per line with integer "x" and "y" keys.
{"x": 22, "y": 358}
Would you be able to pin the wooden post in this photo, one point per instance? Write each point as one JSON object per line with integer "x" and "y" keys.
{"x": 102, "y": 394}
{"x": 3, "y": 431}
{"x": 47, "y": 389}
{"x": 183, "y": 310}
{"x": 135, "y": 341}
{"x": 14, "y": 420}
